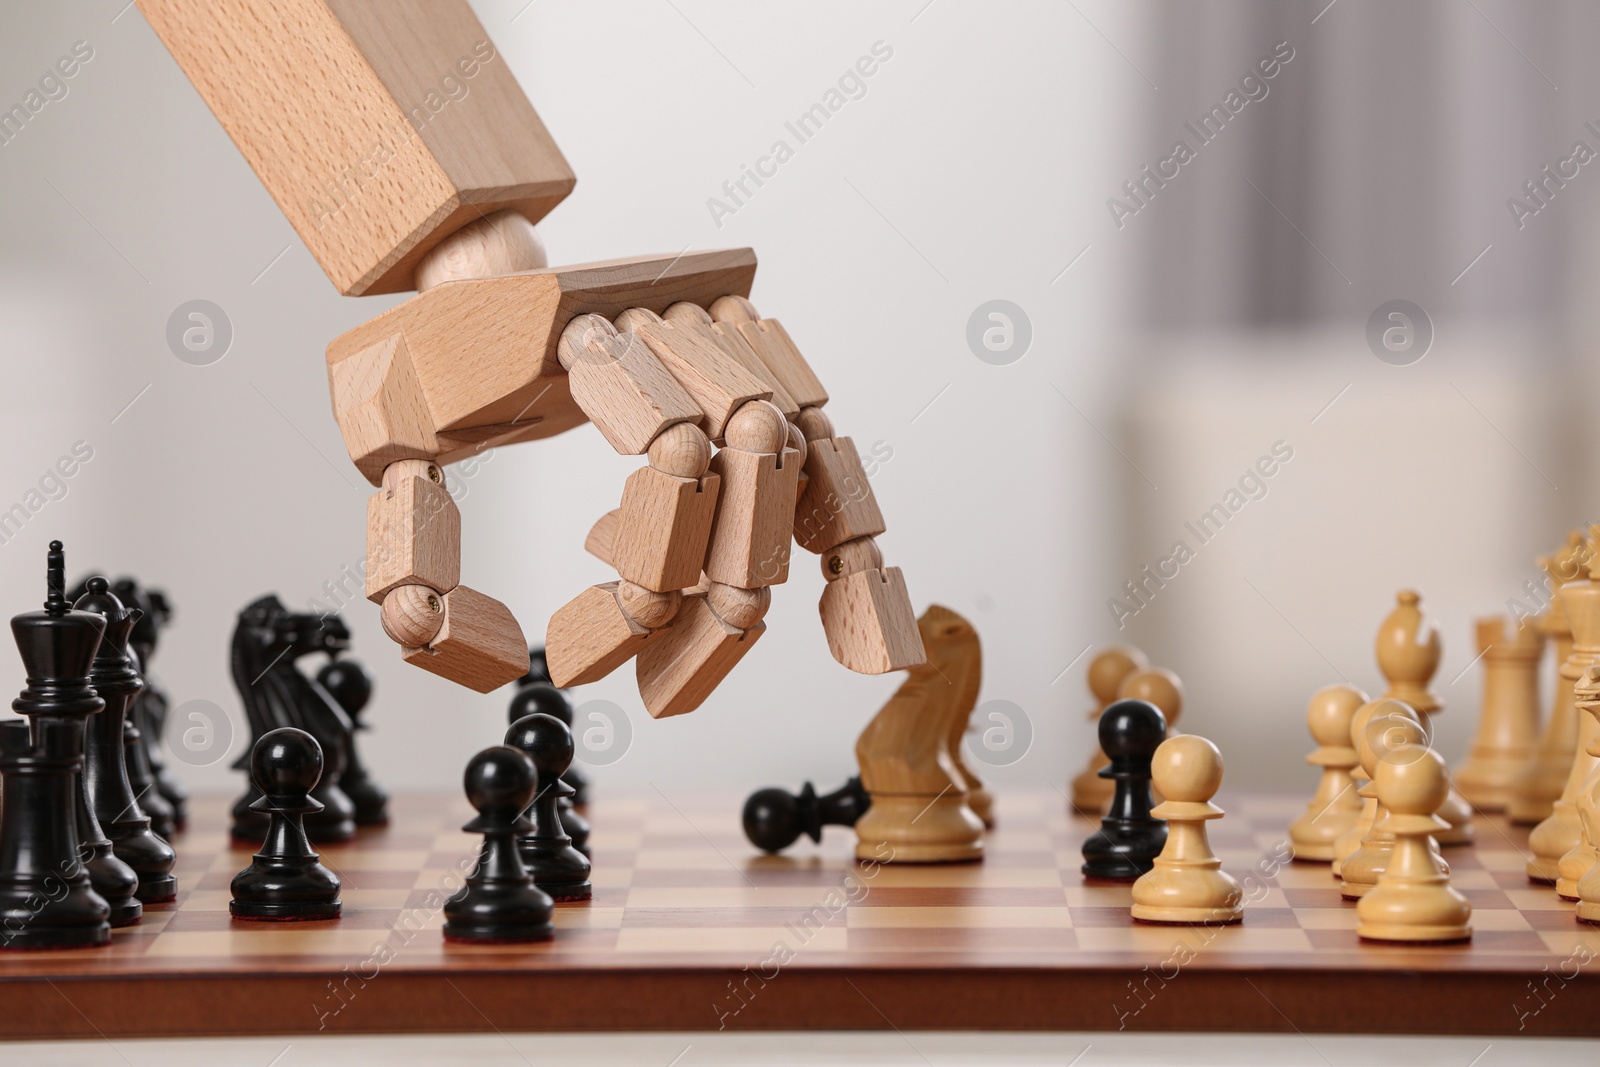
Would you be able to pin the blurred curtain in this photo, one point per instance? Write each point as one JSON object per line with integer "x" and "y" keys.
{"x": 1388, "y": 148}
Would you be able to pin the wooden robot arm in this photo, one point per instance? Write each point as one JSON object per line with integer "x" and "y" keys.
{"x": 398, "y": 144}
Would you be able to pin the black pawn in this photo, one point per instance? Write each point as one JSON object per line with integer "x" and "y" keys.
{"x": 774, "y": 818}
{"x": 1129, "y": 838}
{"x": 557, "y": 867}
{"x": 46, "y": 900}
{"x": 116, "y": 805}
{"x": 351, "y": 686}
{"x": 538, "y": 667}
{"x": 500, "y": 901}
{"x": 536, "y": 697}
{"x": 286, "y": 880}
{"x": 539, "y": 695}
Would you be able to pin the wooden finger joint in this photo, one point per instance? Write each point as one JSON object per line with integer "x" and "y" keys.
{"x": 838, "y": 504}
{"x": 413, "y": 531}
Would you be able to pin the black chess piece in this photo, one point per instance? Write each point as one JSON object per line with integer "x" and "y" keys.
{"x": 575, "y": 825}
{"x": 538, "y": 695}
{"x": 351, "y": 686}
{"x": 317, "y": 713}
{"x": 111, "y": 878}
{"x": 261, "y": 637}
{"x": 774, "y": 818}
{"x": 267, "y": 641}
{"x": 541, "y": 697}
{"x": 286, "y": 881}
{"x": 47, "y": 899}
{"x": 135, "y": 752}
{"x": 538, "y": 667}
{"x": 1129, "y": 838}
{"x": 110, "y": 792}
{"x": 150, "y": 710}
{"x": 500, "y": 901}
{"x": 557, "y": 867}
{"x": 162, "y": 798}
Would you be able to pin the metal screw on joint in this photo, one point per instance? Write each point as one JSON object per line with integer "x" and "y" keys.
{"x": 433, "y": 604}
{"x": 433, "y": 474}
{"x": 835, "y": 565}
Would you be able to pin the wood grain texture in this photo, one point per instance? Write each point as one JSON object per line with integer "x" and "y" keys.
{"x": 380, "y": 407}
{"x": 1542, "y": 781}
{"x": 869, "y": 622}
{"x": 412, "y": 615}
{"x": 626, "y": 392}
{"x": 750, "y": 538}
{"x": 734, "y": 344}
{"x": 502, "y": 242}
{"x": 378, "y": 128}
{"x": 413, "y": 538}
{"x": 681, "y": 668}
{"x": 591, "y": 636}
{"x": 838, "y": 504}
{"x": 777, "y": 350}
{"x": 603, "y": 536}
{"x": 484, "y": 350}
{"x": 1508, "y": 722}
{"x": 479, "y": 645}
{"x": 661, "y": 535}
{"x": 718, "y": 383}
{"x": 683, "y": 906}
{"x": 920, "y": 811}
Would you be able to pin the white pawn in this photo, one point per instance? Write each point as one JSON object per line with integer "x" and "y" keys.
{"x": 1349, "y": 843}
{"x": 1336, "y": 807}
{"x": 1187, "y": 883}
{"x": 1413, "y": 900}
{"x": 1383, "y": 733}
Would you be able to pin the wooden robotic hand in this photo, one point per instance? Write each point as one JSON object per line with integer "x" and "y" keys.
{"x": 700, "y": 539}
{"x": 397, "y": 142}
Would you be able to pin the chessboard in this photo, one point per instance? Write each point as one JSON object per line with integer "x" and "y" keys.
{"x": 690, "y": 928}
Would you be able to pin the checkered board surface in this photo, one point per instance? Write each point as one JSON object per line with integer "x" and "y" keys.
{"x": 678, "y": 890}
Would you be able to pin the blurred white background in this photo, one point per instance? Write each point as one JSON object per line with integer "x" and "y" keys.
{"x": 1168, "y": 353}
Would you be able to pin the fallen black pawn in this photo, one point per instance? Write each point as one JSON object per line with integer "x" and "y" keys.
{"x": 286, "y": 880}
{"x": 499, "y": 901}
{"x": 1129, "y": 838}
{"x": 774, "y": 818}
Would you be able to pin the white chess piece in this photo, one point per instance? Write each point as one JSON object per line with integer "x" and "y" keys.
{"x": 1335, "y": 808}
{"x": 1187, "y": 883}
{"x": 1413, "y": 900}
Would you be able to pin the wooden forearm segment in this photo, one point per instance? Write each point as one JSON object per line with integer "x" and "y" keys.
{"x": 866, "y": 610}
{"x": 414, "y": 572}
{"x": 379, "y": 128}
